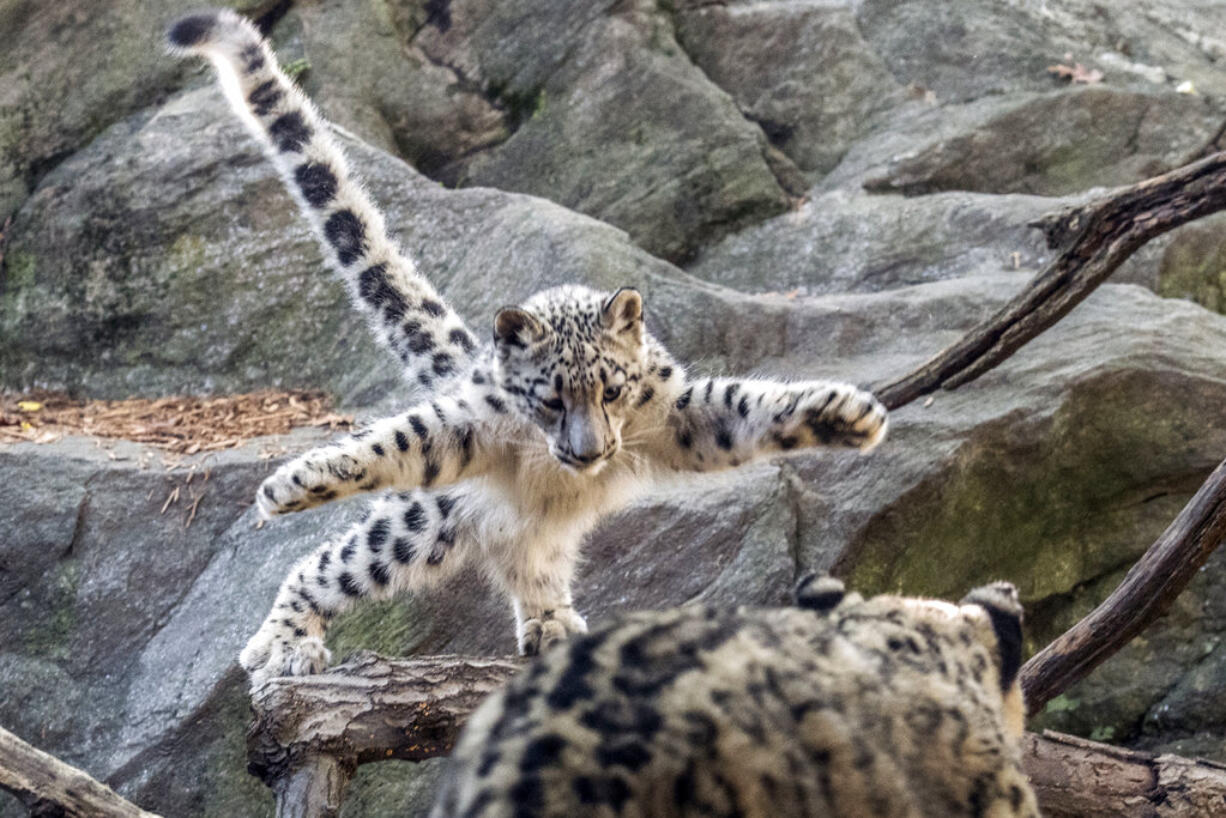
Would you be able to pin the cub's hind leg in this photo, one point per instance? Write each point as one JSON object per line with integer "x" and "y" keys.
{"x": 407, "y": 541}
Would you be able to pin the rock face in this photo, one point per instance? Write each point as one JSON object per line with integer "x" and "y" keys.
{"x": 849, "y": 187}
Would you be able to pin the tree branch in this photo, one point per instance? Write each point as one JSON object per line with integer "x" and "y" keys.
{"x": 1096, "y": 238}
{"x": 49, "y": 787}
{"x": 1145, "y": 594}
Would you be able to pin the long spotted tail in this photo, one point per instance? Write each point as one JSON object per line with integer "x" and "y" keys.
{"x": 405, "y": 311}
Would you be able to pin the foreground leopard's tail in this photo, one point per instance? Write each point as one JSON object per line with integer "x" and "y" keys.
{"x": 406, "y": 312}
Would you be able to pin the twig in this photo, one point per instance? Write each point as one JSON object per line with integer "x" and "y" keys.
{"x": 1144, "y": 595}
{"x": 1095, "y": 239}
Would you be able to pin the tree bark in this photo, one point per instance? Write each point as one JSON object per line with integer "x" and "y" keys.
{"x": 1095, "y": 239}
{"x": 1146, "y": 592}
{"x": 311, "y": 732}
{"x": 49, "y": 787}
{"x": 1075, "y": 778}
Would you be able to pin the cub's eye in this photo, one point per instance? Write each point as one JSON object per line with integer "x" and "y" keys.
{"x": 612, "y": 393}
{"x": 553, "y": 404}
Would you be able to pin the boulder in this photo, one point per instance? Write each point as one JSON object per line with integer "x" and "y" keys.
{"x": 611, "y": 120}
{"x": 154, "y": 251}
{"x": 1053, "y": 471}
{"x": 167, "y": 258}
{"x": 1052, "y": 144}
{"x": 362, "y": 66}
{"x": 69, "y": 70}
{"x": 802, "y": 71}
{"x": 833, "y": 243}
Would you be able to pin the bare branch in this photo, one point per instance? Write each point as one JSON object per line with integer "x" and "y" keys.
{"x": 1096, "y": 238}
{"x": 48, "y": 786}
{"x": 1144, "y": 595}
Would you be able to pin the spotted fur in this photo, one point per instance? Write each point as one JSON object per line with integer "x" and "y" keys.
{"x": 524, "y": 444}
{"x": 890, "y": 706}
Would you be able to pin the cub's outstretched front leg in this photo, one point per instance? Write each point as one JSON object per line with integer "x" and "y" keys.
{"x": 433, "y": 444}
{"x": 718, "y": 423}
{"x": 407, "y": 541}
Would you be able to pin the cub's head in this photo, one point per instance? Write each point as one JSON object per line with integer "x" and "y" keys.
{"x": 572, "y": 361}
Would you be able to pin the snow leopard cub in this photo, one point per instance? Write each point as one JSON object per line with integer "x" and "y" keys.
{"x": 526, "y": 442}
{"x": 890, "y": 706}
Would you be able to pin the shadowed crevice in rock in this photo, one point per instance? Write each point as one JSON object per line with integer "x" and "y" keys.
{"x": 802, "y": 72}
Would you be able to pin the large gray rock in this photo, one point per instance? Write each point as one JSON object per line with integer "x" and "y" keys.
{"x": 833, "y": 243}
{"x": 800, "y": 70}
{"x": 612, "y": 120}
{"x": 1100, "y": 424}
{"x": 165, "y": 257}
{"x": 965, "y": 51}
{"x": 185, "y": 267}
{"x": 1052, "y": 144}
{"x": 68, "y": 70}
{"x": 368, "y": 75}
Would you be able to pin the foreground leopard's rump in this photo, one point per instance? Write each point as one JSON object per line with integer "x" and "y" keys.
{"x": 883, "y": 707}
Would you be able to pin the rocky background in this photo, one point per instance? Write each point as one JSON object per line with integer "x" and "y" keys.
{"x": 800, "y": 188}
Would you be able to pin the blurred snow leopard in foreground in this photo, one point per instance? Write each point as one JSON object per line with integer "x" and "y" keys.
{"x": 526, "y": 443}
{"x": 890, "y": 707}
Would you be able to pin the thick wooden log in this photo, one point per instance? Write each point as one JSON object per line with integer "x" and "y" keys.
{"x": 310, "y": 733}
{"x": 413, "y": 709}
{"x": 49, "y": 787}
{"x": 313, "y": 789}
{"x": 1094, "y": 239}
{"x": 1145, "y": 593}
{"x": 1076, "y": 778}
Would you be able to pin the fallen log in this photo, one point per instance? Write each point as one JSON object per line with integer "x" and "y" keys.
{"x": 1076, "y": 778}
{"x": 311, "y": 732}
{"x": 49, "y": 787}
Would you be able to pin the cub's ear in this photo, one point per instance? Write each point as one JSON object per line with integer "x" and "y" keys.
{"x": 623, "y": 312}
{"x": 515, "y": 326}
{"x": 819, "y": 592}
{"x": 1000, "y": 600}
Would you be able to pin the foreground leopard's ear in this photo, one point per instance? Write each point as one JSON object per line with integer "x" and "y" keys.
{"x": 1000, "y": 600}
{"x": 623, "y": 312}
{"x": 515, "y": 326}
{"x": 819, "y": 592}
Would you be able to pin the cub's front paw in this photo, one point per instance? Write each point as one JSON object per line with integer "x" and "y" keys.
{"x": 538, "y": 633}
{"x": 843, "y": 415}
{"x": 270, "y": 654}
{"x": 293, "y": 487}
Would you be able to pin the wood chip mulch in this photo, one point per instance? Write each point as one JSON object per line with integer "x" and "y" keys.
{"x": 180, "y": 425}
